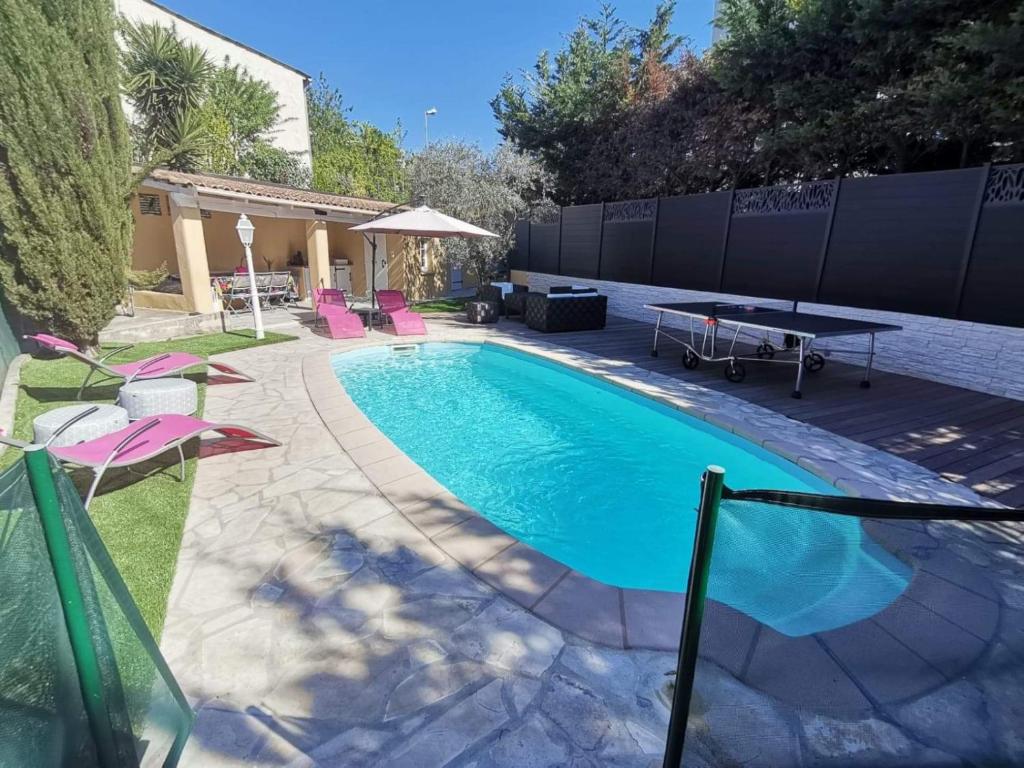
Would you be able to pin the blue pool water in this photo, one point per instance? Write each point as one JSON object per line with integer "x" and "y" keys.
{"x": 607, "y": 482}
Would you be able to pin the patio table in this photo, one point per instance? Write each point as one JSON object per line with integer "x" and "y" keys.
{"x": 371, "y": 314}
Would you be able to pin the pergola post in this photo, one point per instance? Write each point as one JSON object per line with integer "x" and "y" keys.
{"x": 190, "y": 246}
{"x": 318, "y": 249}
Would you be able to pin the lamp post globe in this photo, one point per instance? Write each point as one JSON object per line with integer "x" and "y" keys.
{"x": 246, "y": 230}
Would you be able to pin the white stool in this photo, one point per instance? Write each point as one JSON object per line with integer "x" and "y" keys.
{"x": 104, "y": 420}
{"x": 155, "y": 396}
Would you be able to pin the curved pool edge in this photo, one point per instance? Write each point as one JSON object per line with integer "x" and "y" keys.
{"x": 607, "y": 615}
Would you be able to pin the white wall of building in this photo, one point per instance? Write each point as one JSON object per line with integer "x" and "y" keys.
{"x": 292, "y": 133}
{"x": 986, "y": 358}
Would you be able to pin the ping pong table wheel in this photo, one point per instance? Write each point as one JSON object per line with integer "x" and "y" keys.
{"x": 654, "y": 353}
{"x": 735, "y": 372}
{"x": 765, "y": 350}
{"x": 690, "y": 359}
{"x": 866, "y": 384}
{"x": 814, "y": 362}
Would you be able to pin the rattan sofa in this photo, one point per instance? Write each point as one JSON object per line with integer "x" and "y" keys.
{"x": 566, "y": 309}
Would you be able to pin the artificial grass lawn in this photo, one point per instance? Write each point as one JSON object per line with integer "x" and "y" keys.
{"x": 441, "y": 305}
{"x": 140, "y": 520}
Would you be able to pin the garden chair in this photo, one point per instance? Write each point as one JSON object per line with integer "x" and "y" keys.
{"x": 277, "y": 289}
{"x": 238, "y": 290}
{"x": 158, "y": 366}
{"x": 393, "y": 306}
{"x": 342, "y": 323}
{"x": 323, "y": 296}
{"x": 144, "y": 440}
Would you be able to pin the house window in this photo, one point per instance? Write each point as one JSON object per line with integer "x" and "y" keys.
{"x": 149, "y": 205}
{"x": 424, "y": 256}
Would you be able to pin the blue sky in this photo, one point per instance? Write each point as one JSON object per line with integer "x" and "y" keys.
{"x": 392, "y": 60}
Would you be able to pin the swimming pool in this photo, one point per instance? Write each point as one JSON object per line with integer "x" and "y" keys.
{"x": 602, "y": 479}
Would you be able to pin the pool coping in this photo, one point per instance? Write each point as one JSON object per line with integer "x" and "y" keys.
{"x": 611, "y": 616}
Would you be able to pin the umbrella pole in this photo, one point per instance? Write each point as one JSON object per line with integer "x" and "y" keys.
{"x": 373, "y": 272}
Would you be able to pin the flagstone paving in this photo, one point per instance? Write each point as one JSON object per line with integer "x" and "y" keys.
{"x": 311, "y": 623}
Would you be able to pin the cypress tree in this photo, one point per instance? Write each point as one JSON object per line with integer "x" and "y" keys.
{"x": 65, "y": 165}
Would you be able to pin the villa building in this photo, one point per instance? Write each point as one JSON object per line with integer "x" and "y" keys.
{"x": 184, "y": 222}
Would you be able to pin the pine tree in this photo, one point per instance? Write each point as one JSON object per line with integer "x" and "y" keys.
{"x": 65, "y": 165}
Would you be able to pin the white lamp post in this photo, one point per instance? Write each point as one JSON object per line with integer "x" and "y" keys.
{"x": 245, "y": 231}
{"x": 426, "y": 125}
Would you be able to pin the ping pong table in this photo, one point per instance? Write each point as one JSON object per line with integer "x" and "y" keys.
{"x": 798, "y": 332}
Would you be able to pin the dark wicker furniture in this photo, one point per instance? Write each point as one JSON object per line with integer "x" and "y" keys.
{"x": 480, "y": 312}
{"x": 571, "y": 313}
{"x": 515, "y": 302}
{"x": 493, "y": 293}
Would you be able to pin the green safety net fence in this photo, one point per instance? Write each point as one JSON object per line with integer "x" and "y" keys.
{"x": 834, "y": 631}
{"x": 82, "y": 681}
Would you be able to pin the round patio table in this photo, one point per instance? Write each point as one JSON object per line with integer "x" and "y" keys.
{"x": 152, "y": 397}
{"x": 106, "y": 419}
{"x": 371, "y": 315}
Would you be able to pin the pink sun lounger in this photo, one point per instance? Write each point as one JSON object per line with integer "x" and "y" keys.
{"x": 139, "y": 442}
{"x": 158, "y": 366}
{"x": 405, "y": 322}
{"x": 342, "y": 322}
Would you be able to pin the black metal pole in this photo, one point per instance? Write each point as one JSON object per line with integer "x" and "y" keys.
{"x": 373, "y": 276}
{"x": 712, "y": 482}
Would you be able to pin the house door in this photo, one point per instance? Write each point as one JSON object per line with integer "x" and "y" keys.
{"x": 381, "y": 282}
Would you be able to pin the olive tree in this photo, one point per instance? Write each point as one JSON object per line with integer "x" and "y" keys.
{"x": 489, "y": 190}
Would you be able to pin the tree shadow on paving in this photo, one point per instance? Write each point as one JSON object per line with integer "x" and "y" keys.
{"x": 385, "y": 651}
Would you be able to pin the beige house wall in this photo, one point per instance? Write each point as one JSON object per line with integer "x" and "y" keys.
{"x": 154, "y": 240}
{"x": 274, "y": 242}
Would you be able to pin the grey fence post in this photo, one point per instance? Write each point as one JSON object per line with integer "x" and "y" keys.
{"x": 725, "y": 239}
{"x": 972, "y": 233}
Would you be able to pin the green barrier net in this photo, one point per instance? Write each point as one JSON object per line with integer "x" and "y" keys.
{"x": 840, "y": 631}
{"x": 139, "y": 716}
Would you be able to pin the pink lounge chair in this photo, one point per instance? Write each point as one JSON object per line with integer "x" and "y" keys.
{"x": 342, "y": 322}
{"x": 394, "y": 307}
{"x": 158, "y": 366}
{"x": 144, "y": 440}
{"x": 322, "y": 296}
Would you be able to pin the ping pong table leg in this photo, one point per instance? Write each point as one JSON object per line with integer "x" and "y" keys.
{"x": 799, "y": 370}
{"x": 657, "y": 329}
{"x": 866, "y": 383}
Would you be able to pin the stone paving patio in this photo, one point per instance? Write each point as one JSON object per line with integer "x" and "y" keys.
{"x": 311, "y": 623}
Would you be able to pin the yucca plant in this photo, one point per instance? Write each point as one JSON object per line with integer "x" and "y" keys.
{"x": 166, "y": 82}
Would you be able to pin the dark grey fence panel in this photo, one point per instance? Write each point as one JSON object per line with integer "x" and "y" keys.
{"x": 627, "y": 239}
{"x": 994, "y": 290}
{"x": 945, "y": 244}
{"x": 898, "y": 242}
{"x": 775, "y": 240}
{"x": 544, "y": 248}
{"x": 690, "y": 241}
{"x": 519, "y": 257}
{"x": 581, "y": 240}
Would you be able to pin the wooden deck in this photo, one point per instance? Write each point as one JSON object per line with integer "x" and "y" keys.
{"x": 967, "y": 437}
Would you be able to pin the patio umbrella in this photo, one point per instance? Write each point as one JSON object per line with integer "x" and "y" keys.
{"x": 419, "y": 222}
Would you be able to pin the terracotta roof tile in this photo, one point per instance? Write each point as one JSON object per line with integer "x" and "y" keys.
{"x": 272, "y": 192}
